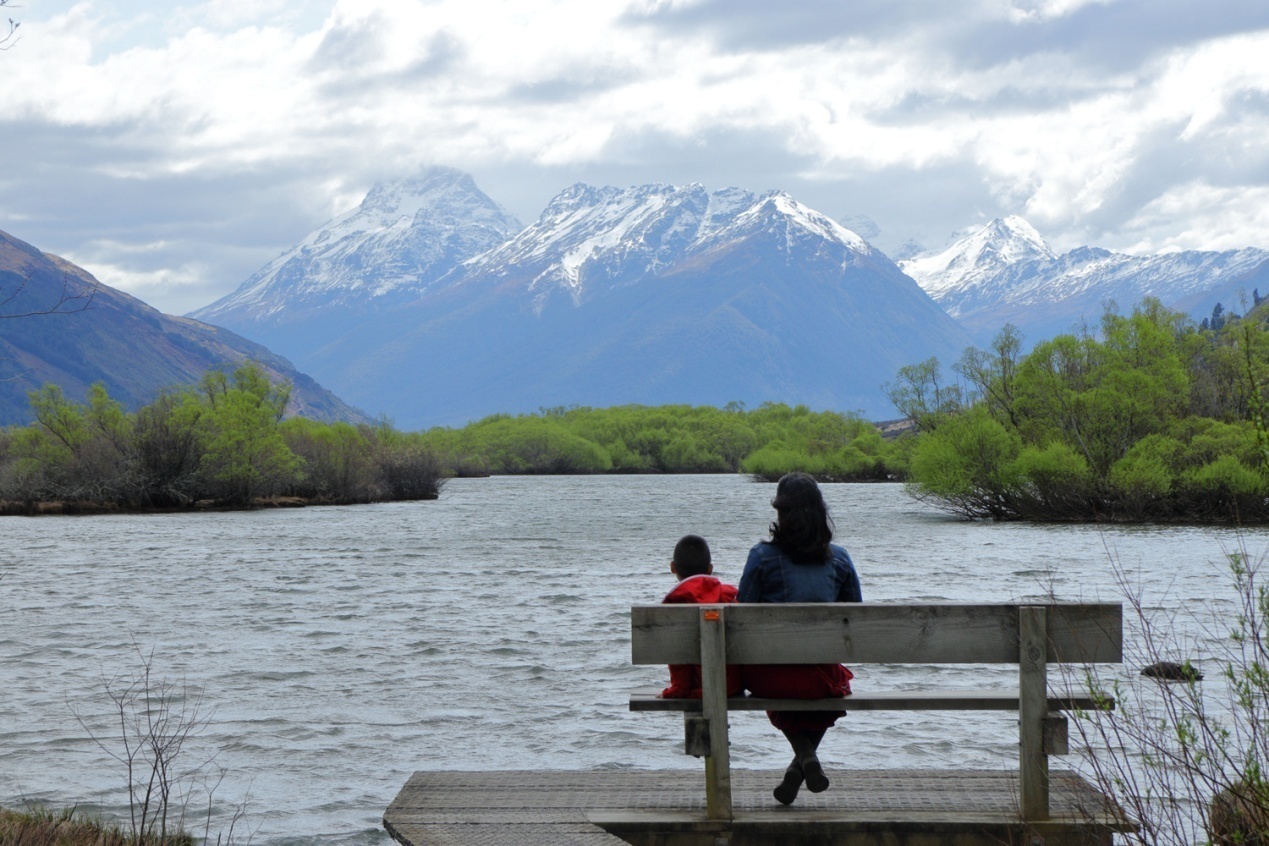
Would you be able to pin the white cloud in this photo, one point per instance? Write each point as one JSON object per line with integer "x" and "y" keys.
{"x": 1024, "y": 11}
{"x": 1005, "y": 99}
{"x": 1199, "y": 215}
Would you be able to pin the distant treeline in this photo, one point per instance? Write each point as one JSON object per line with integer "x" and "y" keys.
{"x": 223, "y": 442}
{"x": 1155, "y": 418}
{"x": 767, "y": 442}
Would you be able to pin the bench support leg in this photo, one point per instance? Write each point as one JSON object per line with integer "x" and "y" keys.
{"x": 1033, "y": 709}
{"x": 714, "y": 709}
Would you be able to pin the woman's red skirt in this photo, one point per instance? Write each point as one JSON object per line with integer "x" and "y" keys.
{"x": 799, "y": 681}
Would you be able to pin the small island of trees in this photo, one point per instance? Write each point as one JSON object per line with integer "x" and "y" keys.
{"x": 227, "y": 443}
{"x": 1157, "y": 419}
{"x": 221, "y": 443}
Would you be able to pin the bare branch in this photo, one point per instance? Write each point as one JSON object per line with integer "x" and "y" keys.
{"x": 157, "y": 721}
{"x": 10, "y": 38}
{"x": 71, "y": 300}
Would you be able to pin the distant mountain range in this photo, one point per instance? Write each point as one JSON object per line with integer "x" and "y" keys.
{"x": 653, "y": 294}
{"x": 104, "y": 335}
{"x": 1004, "y": 272}
{"x": 431, "y": 304}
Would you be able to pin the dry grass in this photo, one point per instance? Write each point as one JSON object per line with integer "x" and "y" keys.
{"x": 42, "y": 827}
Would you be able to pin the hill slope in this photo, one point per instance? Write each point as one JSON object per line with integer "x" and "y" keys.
{"x": 104, "y": 335}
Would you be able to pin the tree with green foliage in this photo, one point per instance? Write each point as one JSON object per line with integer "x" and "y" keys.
{"x": 922, "y": 395}
{"x": 1155, "y": 419}
{"x": 767, "y": 442}
{"x": 168, "y": 437}
{"x": 245, "y": 455}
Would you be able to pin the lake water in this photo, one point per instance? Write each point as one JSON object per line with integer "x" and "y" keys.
{"x": 344, "y": 648}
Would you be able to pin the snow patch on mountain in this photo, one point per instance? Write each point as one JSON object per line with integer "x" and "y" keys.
{"x": 977, "y": 257}
{"x": 590, "y": 236}
{"x": 402, "y": 237}
{"x": 1005, "y": 272}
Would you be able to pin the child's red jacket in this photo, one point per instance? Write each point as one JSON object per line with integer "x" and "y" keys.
{"x": 685, "y": 679}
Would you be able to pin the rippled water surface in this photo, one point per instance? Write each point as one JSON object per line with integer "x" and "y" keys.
{"x": 343, "y": 648}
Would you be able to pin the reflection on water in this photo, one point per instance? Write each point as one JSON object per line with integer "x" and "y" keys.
{"x": 344, "y": 648}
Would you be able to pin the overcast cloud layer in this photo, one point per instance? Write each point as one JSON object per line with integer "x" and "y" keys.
{"x": 174, "y": 149}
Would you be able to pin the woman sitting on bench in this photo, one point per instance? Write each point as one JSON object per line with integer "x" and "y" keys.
{"x": 799, "y": 564}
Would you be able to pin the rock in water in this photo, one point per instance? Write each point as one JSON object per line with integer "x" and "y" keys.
{"x": 1172, "y": 671}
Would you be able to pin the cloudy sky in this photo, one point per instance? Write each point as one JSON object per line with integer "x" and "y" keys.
{"x": 172, "y": 149}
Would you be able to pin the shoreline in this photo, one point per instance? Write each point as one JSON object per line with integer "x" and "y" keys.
{"x": 75, "y": 508}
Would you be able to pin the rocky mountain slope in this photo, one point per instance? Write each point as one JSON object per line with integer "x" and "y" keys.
{"x": 652, "y": 294}
{"x": 386, "y": 252}
{"x": 99, "y": 334}
{"x": 1004, "y": 272}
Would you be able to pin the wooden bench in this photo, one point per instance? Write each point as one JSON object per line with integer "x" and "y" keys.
{"x": 1031, "y": 636}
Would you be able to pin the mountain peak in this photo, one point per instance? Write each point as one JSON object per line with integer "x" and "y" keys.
{"x": 814, "y": 222}
{"x": 1004, "y": 272}
{"x": 408, "y": 194}
{"x": 589, "y": 236}
{"x": 979, "y": 254}
{"x": 404, "y": 235}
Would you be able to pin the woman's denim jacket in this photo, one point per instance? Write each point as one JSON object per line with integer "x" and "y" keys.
{"x": 771, "y": 576}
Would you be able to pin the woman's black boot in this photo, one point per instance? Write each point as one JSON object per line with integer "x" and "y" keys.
{"x": 805, "y": 744}
{"x": 787, "y": 790}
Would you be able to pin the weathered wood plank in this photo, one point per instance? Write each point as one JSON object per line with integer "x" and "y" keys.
{"x": 872, "y": 700}
{"x": 713, "y": 657}
{"x": 885, "y": 633}
{"x": 1033, "y": 766}
{"x": 695, "y": 734}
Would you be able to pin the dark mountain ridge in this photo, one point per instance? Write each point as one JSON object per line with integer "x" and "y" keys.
{"x": 59, "y": 324}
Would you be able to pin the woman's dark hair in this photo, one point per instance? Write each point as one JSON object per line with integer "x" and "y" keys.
{"x": 802, "y": 528}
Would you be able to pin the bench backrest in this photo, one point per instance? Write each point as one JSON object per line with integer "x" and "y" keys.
{"x": 876, "y": 632}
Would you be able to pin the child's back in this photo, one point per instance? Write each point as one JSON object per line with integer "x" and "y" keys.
{"x": 698, "y": 586}
{"x": 700, "y": 590}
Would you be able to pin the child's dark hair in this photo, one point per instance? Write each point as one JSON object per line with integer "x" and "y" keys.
{"x": 691, "y": 556}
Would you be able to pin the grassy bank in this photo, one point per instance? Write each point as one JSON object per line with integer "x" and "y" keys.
{"x": 43, "y": 827}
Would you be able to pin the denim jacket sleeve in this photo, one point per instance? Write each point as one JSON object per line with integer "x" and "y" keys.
{"x": 750, "y": 588}
{"x": 849, "y": 591}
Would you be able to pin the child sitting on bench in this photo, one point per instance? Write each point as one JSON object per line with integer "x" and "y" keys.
{"x": 697, "y": 586}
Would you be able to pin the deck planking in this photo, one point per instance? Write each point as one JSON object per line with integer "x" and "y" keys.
{"x": 617, "y": 807}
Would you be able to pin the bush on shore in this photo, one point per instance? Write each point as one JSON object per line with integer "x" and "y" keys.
{"x": 222, "y": 443}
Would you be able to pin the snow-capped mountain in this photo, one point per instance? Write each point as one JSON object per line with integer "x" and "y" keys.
{"x": 590, "y": 239}
{"x": 1004, "y": 272}
{"x": 651, "y": 294}
{"x": 402, "y": 238}
{"x": 978, "y": 257}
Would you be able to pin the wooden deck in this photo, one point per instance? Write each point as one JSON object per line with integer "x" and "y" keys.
{"x": 666, "y": 808}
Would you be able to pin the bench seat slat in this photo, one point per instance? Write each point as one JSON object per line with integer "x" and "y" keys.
{"x": 901, "y": 700}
